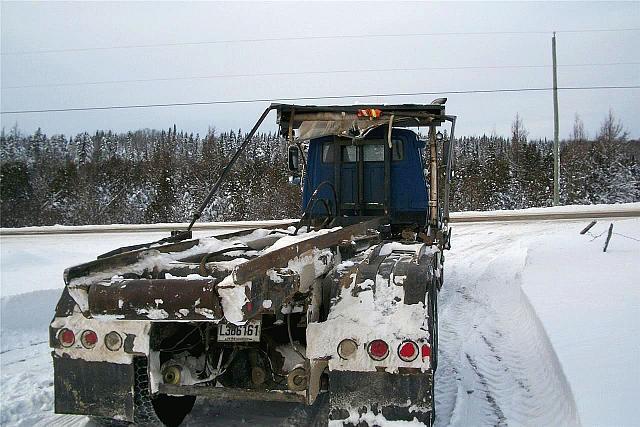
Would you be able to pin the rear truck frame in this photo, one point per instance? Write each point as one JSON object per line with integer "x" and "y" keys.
{"x": 336, "y": 311}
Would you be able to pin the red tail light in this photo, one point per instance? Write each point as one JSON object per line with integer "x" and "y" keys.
{"x": 89, "y": 339}
{"x": 426, "y": 351}
{"x": 66, "y": 337}
{"x": 378, "y": 349}
{"x": 408, "y": 351}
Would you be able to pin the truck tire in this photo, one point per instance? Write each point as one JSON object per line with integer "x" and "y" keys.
{"x": 320, "y": 411}
{"x": 159, "y": 409}
{"x": 433, "y": 321}
{"x": 316, "y": 415}
{"x": 108, "y": 422}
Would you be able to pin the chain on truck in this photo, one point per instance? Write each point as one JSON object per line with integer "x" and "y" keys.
{"x": 336, "y": 311}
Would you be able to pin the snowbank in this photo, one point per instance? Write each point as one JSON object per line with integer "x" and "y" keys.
{"x": 586, "y": 210}
{"x": 127, "y": 228}
{"x": 589, "y": 303}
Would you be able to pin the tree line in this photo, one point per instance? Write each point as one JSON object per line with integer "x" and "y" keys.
{"x": 151, "y": 176}
{"x": 495, "y": 172}
{"x": 146, "y": 176}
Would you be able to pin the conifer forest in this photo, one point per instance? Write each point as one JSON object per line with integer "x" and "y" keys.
{"x": 151, "y": 176}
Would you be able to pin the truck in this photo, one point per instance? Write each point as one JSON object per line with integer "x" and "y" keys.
{"x": 336, "y": 311}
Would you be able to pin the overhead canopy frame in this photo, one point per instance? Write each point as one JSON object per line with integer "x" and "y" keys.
{"x": 313, "y": 121}
{"x": 292, "y": 117}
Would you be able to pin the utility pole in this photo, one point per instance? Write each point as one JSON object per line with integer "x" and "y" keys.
{"x": 556, "y": 131}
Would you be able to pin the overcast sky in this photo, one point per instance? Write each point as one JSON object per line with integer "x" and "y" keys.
{"x": 28, "y": 27}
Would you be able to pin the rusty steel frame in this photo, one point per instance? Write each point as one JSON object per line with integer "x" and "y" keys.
{"x": 223, "y": 393}
{"x": 279, "y": 258}
{"x": 122, "y": 259}
{"x": 126, "y": 299}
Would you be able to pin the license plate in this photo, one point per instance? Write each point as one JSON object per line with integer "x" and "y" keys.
{"x": 250, "y": 331}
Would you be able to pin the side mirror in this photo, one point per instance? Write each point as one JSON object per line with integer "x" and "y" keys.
{"x": 294, "y": 158}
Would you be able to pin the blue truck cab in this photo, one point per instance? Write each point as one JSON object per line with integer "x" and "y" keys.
{"x": 356, "y": 169}
{"x": 366, "y": 161}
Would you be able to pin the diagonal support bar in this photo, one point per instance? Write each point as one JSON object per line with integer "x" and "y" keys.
{"x": 197, "y": 214}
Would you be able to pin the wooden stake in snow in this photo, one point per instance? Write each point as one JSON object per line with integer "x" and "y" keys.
{"x": 608, "y": 237}
{"x": 588, "y": 227}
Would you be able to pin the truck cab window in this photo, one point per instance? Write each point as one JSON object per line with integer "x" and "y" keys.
{"x": 327, "y": 152}
{"x": 349, "y": 154}
{"x": 375, "y": 152}
{"x": 371, "y": 152}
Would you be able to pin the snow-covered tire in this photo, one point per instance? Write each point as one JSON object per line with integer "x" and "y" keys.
{"x": 160, "y": 409}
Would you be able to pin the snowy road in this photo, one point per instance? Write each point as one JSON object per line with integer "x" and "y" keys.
{"x": 497, "y": 366}
{"x": 535, "y": 322}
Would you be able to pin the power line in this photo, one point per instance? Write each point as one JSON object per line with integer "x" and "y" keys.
{"x": 327, "y": 37}
{"x": 294, "y": 73}
{"x": 313, "y": 98}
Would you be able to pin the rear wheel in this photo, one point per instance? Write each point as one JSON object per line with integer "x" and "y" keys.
{"x": 320, "y": 411}
{"x": 316, "y": 415}
{"x": 160, "y": 409}
{"x": 433, "y": 324}
{"x": 108, "y": 422}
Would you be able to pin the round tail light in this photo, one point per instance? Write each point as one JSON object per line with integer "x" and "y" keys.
{"x": 89, "y": 339}
{"x": 408, "y": 351}
{"x": 378, "y": 349}
{"x": 171, "y": 374}
{"x": 426, "y": 351}
{"x": 346, "y": 348}
{"x": 113, "y": 341}
{"x": 66, "y": 337}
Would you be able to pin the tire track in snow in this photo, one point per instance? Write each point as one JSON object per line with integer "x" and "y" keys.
{"x": 496, "y": 364}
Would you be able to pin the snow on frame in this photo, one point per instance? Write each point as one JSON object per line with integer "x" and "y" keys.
{"x": 586, "y": 303}
{"x": 363, "y": 315}
{"x": 231, "y": 300}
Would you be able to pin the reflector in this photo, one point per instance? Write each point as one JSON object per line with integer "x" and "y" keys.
{"x": 66, "y": 337}
{"x": 89, "y": 339}
{"x": 346, "y": 348}
{"x": 426, "y": 351}
{"x": 378, "y": 349}
{"x": 113, "y": 341}
{"x": 408, "y": 351}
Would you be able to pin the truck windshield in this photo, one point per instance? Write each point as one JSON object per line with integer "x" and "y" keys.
{"x": 372, "y": 152}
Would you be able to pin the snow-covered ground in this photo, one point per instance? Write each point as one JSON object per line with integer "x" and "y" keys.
{"x": 31, "y": 263}
{"x": 537, "y": 326}
{"x": 597, "y": 210}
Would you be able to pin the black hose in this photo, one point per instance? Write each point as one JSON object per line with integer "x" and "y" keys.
{"x": 312, "y": 201}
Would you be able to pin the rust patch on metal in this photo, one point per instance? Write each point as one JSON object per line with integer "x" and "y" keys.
{"x": 158, "y": 299}
{"x": 281, "y": 257}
